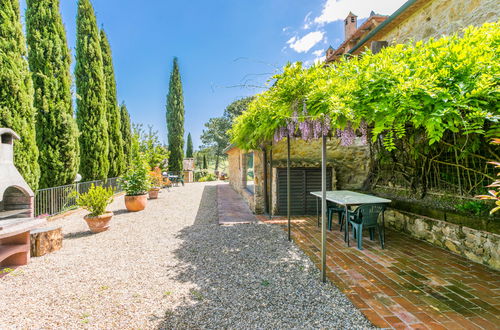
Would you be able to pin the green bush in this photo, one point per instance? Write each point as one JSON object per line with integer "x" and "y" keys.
{"x": 208, "y": 177}
{"x": 136, "y": 181}
{"x": 472, "y": 207}
{"x": 95, "y": 200}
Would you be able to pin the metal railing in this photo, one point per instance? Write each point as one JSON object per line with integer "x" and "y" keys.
{"x": 51, "y": 201}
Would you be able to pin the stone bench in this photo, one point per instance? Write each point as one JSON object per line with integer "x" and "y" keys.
{"x": 46, "y": 240}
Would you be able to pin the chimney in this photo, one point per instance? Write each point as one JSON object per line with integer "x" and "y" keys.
{"x": 350, "y": 25}
{"x": 16, "y": 197}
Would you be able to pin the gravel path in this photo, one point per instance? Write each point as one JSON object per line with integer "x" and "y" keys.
{"x": 171, "y": 266}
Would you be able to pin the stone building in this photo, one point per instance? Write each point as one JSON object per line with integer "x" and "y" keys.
{"x": 415, "y": 20}
{"x": 348, "y": 167}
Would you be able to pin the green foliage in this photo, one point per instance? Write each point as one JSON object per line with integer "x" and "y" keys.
{"x": 116, "y": 157}
{"x": 472, "y": 207}
{"x": 208, "y": 177}
{"x": 175, "y": 119}
{"x": 448, "y": 85}
{"x": 216, "y": 137}
{"x": 152, "y": 151}
{"x": 189, "y": 147}
{"x": 95, "y": 200}
{"x": 136, "y": 180}
{"x": 91, "y": 96}
{"x": 16, "y": 92}
{"x": 236, "y": 108}
{"x": 49, "y": 60}
{"x": 205, "y": 162}
{"x": 126, "y": 130}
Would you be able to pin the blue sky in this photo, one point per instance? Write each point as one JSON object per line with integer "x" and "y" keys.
{"x": 225, "y": 47}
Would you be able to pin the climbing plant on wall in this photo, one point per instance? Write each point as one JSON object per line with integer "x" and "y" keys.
{"x": 424, "y": 94}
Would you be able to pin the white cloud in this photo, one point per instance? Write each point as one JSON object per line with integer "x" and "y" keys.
{"x": 307, "y": 21}
{"x": 307, "y": 42}
{"x": 334, "y": 10}
{"x": 319, "y": 52}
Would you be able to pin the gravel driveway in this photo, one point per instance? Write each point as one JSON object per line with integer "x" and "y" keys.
{"x": 171, "y": 266}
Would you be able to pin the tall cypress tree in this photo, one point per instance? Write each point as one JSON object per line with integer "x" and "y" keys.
{"x": 189, "y": 148}
{"x": 91, "y": 96}
{"x": 126, "y": 130}
{"x": 116, "y": 160}
{"x": 175, "y": 119}
{"x": 49, "y": 60}
{"x": 16, "y": 92}
{"x": 205, "y": 162}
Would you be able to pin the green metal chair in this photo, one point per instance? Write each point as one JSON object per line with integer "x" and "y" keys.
{"x": 335, "y": 208}
{"x": 365, "y": 217}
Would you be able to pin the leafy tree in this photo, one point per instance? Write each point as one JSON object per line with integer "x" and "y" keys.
{"x": 189, "y": 148}
{"x": 91, "y": 96}
{"x": 16, "y": 92}
{"x": 236, "y": 108}
{"x": 216, "y": 136}
{"x": 153, "y": 152}
{"x": 116, "y": 157}
{"x": 175, "y": 119}
{"x": 49, "y": 60}
{"x": 126, "y": 130}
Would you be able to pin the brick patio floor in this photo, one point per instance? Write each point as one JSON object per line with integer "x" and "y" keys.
{"x": 409, "y": 284}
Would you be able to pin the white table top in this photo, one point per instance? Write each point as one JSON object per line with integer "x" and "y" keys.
{"x": 347, "y": 197}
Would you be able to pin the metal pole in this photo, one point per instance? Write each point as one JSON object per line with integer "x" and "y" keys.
{"x": 264, "y": 161}
{"x": 288, "y": 194}
{"x": 323, "y": 209}
{"x": 271, "y": 182}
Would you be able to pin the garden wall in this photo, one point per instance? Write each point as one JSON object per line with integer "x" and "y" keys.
{"x": 476, "y": 245}
{"x": 443, "y": 17}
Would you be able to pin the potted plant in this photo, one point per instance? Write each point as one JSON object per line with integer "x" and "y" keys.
{"x": 136, "y": 184}
{"x": 96, "y": 200}
{"x": 156, "y": 182}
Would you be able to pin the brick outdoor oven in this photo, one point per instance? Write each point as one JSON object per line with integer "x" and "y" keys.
{"x": 16, "y": 207}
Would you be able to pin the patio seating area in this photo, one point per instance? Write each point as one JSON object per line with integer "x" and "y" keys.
{"x": 409, "y": 284}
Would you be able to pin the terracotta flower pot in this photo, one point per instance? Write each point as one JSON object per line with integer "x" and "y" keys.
{"x": 100, "y": 223}
{"x": 153, "y": 193}
{"x": 136, "y": 203}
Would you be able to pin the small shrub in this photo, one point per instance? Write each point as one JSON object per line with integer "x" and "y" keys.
{"x": 208, "y": 177}
{"x": 136, "y": 181}
{"x": 472, "y": 207}
{"x": 95, "y": 200}
{"x": 156, "y": 178}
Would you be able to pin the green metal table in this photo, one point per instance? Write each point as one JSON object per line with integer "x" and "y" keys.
{"x": 348, "y": 198}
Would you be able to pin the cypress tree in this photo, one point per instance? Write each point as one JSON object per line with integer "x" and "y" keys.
{"x": 126, "y": 130}
{"x": 116, "y": 160}
{"x": 49, "y": 61}
{"x": 205, "y": 162}
{"x": 175, "y": 119}
{"x": 91, "y": 96}
{"x": 16, "y": 92}
{"x": 189, "y": 147}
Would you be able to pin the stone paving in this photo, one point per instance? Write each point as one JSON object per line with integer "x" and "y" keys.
{"x": 231, "y": 207}
{"x": 409, "y": 284}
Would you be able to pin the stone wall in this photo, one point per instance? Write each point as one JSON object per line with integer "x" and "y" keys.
{"x": 237, "y": 177}
{"x": 444, "y": 17}
{"x": 476, "y": 245}
{"x": 351, "y": 164}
